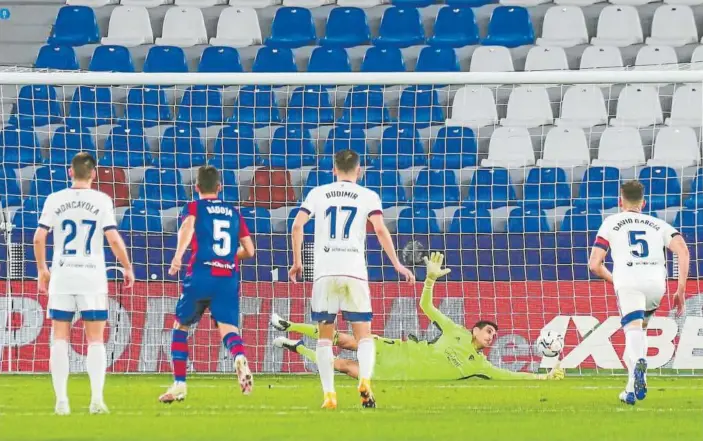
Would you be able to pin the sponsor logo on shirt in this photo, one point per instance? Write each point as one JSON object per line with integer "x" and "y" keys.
{"x": 340, "y": 249}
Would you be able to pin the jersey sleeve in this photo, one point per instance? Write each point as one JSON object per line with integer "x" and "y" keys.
{"x": 243, "y": 228}
{"x": 432, "y": 312}
{"x": 48, "y": 216}
{"x": 108, "y": 217}
{"x": 190, "y": 209}
{"x": 668, "y": 232}
{"x": 375, "y": 206}
{"x": 308, "y": 205}
{"x": 603, "y": 236}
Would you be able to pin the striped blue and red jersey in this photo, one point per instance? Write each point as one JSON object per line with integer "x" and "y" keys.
{"x": 218, "y": 228}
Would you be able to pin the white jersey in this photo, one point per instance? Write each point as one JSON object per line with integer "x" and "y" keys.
{"x": 341, "y": 210}
{"x": 78, "y": 219}
{"x": 637, "y": 242}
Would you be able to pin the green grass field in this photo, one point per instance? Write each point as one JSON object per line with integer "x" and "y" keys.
{"x": 287, "y": 408}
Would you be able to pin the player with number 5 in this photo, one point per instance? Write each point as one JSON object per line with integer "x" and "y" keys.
{"x": 219, "y": 239}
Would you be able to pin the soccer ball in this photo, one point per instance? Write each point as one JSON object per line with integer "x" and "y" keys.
{"x": 550, "y": 343}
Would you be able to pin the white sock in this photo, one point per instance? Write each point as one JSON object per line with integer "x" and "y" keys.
{"x": 325, "y": 364}
{"x": 630, "y": 387}
{"x": 366, "y": 353}
{"x": 58, "y": 364}
{"x": 634, "y": 350}
{"x": 96, "y": 365}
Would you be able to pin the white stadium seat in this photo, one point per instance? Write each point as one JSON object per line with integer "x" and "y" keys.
{"x": 523, "y": 3}
{"x": 256, "y": 4}
{"x": 528, "y": 106}
{"x": 601, "y": 58}
{"x": 676, "y": 147}
{"x": 584, "y": 107}
{"x": 541, "y": 58}
{"x": 92, "y": 3}
{"x": 620, "y": 147}
{"x": 129, "y": 26}
{"x": 184, "y": 26}
{"x": 237, "y": 27}
{"x": 657, "y": 58}
{"x": 491, "y": 59}
{"x": 618, "y": 26}
{"x": 638, "y": 106}
{"x": 307, "y": 3}
{"x": 580, "y": 3}
{"x": 146, "y": 3}
{"x": 473, "y": 106}
{"x": 697, "y": 59}
{"x": 684, "y": 2}
{"x": 673, "y": 25}
{"x": 200, "y": 3}
{"x": 510, "y": 147}
{"x": 687, "y": 106}
{"x": 555, "y": 155}
{"x": 632, "y": 2}
{"x": 563, "y": 26}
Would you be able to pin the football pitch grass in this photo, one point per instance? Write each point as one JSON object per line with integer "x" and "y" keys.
{"x": 287, "y": 408}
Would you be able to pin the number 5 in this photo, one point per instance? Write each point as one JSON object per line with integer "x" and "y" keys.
{"x": 223, "y": 240}
{"x": 643, "y": 247}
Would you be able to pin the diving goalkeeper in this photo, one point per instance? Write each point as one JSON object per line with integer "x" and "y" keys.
{"x": 455, "y": 355}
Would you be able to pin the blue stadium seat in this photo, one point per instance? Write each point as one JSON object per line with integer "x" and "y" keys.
{"x": 220, "y": 59}
{"x": 181, "y": 147}
{"x": 46, "y": 180}
{"x": 292, "y": 147}
{"x": 27, "y": 220}
{"x": 141, "y": 220}
{"x": 581, "y": 220}
{"x": 400, "y": 148}
{"x": 419, "y": 105}
{"x": 469, "y": 3}
{"x": 690, "y": 223}
{"x": 383, "y": 59}
{"x": 400, "y": 27}
{"x": 329, "y": 59}
{"x": 417, "y": 221}
{"x": 546, "y": 187}
{"x": 236, "y": 147}
{"x": 256, "y": 105}
{"x": 491, "y": 187}
{"x": 19, "y": 147}
{"x": 435, "y": 189}
{"x": 75, "y": 26}
{"x": 37, "y": 106}
{"x": 126, "y": 147}
{"x": 695, "y": 200}
{"x": 309, "y": 227}
{"x": 310, "y": 105}
{"x": 165, "y": 59}
{"x": 292, "y": 27}
{"x": 527, "y": 220}
{"x": 342, "y": 138}
{"x": 454, "y": 147}
{"x": 471, "y": 220}
{"x": 510, "y": 26}
{"x": 56, "y": 57}
{"x": 662, "y": 188}
{"x": 162, "y": 189}
{"x": 10, "y": 192}
{"x": 272, "y": 59}
{"x": 147, "y": 106}
{"x": 437, "y": 59}
{"x": 230, "y": 187}
{"x": 91, "y": 106}
{"x": 454, "y": 27}
{"x": 364, "y": 107}
{"x": 387, "y": 184}
{"x": 201, "y": 106}
{"x": 258, "y": 219}
{"x": 346, "y": 27}
{"x": 600, "y": 188}
{"x": 110, "y": 58}
{"x": 67, "y": 141}
{"x": 316, "y": 178}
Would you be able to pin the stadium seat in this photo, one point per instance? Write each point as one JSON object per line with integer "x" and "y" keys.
{"x": 147, "y": 106}
{"x": 341, "y": 138}
{"x": 220, "y": 59}
{"x": 527, "y": 220}
{"x": 400, "y": 27}
{"x": 600, "y": 188}
{"x": 695, "y": 200}
{"x": 546, "y": 188}
{"x": 510, "y": 147}
{"x": 676, "y": 147}
{"x": 469, "y": 3}
{"x": 469, "y": 220}
{"x": 620, "y": 147}
{"x": 581, "y": 220}
{"x": 697, "y": 58}
{"x": 473, "y": 106}
{"x": 690, "y": 223}
{"x": 662, "y": 187}
{"x": 316, "y": 178}
{"x": 75, "y": 26}
{"x": 292, "y": 27}
{"x": 237, "y": 27}
{"x": 129, "y": 26}
{"x": 92, "y": 3}
{"x": 10, "y": 192}
{"x": 454, "y": 27}
{"x": 364, "y": 106}
{"x": 36, "y": 106}
{"x": 619, "y": 26}
{"x": 346, "y": 27}
{"x": 91, "y": 106}
{"x": 437, "y": 59}
{"x": 271, "y": 189}
{"x": 258, "y": 219}
{"x": 673, "y": 26}
{"x": 236, "y": 148}
{"x": 113, "y": 182}
{"x": 563, "y": 26}
{"x": 230, "y": 188}
{"x": 56, "y": 57}
{"x": 387, "y": 184}
{"x": 310, "y": 105}
{"x": 601, "y": 58}
{"x": 657, "y": 58}
{"x": 146, "y": 3}
{"x": 291, "y": 147}
{"x": 491, "y": 188}
{"x": 509, "y": 26}
{"x": 66, "y": 142}
{"x": 309, "y": 227}
{"x": 201, "y": 106}
{"x": 541, "y": 58}
{"x": 181, "y": 147}
{"x": 638, "y": 106}
{"x": 27, "y": 220}
{"x": 328, "y": 59}
{"x": 162, "y": 189}
{"x": 308, "y": 3}
{"x": 454, "y": 147}
{"x": 491, "y": 59}
{"x": 109, "y": 58}
{"x": 271, "y": 59}
{"x": 19, "y": 147}
{"x": 141, "y": 220}
{"x": 417, "y": 221}
{"x": 555, "y": 155}
{"x": 528, "y": 106}
{"x": 48, "y": 180}
{"x": 435, "y": 189}
{"x": 419, "y": 105}
{"x": 383, "y": 59}
{"x": 686, "y": 107}
{"x": 400, "y": 148}
{"x": 126, "y": 147}
{"x": 165, "y": 59}
{"x": 583, "y": 106}
{"x": 256, "y": 105}
{"x": 183, "y": 27}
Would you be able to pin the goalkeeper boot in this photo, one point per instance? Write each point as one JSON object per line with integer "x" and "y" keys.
{"x": 287, "y": 343}
{"x": 330, "y": 401}
{"x": 98, "y": 408}
{"x": 627, "y": 398}
{"x": 279, "y": 323}
{"x": 367, "y": 399}
{"x": 640, "y": 374}
{"x": 62, "y": 408}
{"x": 177, "y": 392}
{"x": 246, "y": 380}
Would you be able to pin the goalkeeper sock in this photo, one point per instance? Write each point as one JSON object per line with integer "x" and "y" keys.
{"x": 96, "y": 365}
{"x": 179, "y": 354}
{"x": 58, "y": 363}
{"x": 233, "y": 343}
{"x": 325, "y": 364}
{"x": 366, "y": 353}
{"x": 306, "y": 352}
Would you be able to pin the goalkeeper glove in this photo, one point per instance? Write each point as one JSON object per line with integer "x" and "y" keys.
{"x": 557, "y": 373}
{"x": 434, "y": 267}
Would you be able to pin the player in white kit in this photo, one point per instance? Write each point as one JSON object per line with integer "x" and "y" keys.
{"x": 341, "y": 210}
{"x": 79, "y": 218}
{"x": 637, "y": 244}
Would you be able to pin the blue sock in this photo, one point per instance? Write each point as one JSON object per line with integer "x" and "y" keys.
{"x": 179, "y": 354}
{"x": 233, "y": 343}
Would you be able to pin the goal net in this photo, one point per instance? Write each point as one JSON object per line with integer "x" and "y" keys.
{"x": 508, "y": 174}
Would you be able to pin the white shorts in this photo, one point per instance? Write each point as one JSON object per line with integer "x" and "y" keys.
{"x": 631, "y": 300}
{"x": 332, "y": 294}
{"x": 63, "y": 306}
